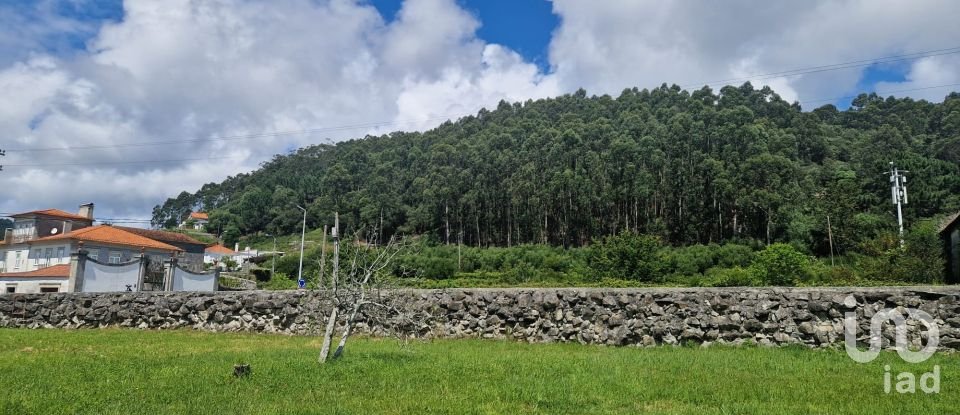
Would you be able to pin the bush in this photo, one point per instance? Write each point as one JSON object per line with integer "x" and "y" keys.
{"x": 627, "y": 255}
{"x": 730, "y": 277}
{"x": 261, "y": 275}
{"x": 279, "y": 281}
{"x": 919, "y": 261}
{"x": 694, "y": 259}
{"x": 923, "y": 260}
{"x": 734, "y": 255}
{"x": 781, "y": 264}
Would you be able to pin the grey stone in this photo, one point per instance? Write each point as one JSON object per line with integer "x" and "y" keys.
{"x": 810, "y": 316}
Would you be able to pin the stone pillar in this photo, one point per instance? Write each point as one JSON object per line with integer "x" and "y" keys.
{"x": 169, "y": 266}
{"x": 78, "y": 262}
{"x": 216, "y": 279}
{"x": 143, "y": 269}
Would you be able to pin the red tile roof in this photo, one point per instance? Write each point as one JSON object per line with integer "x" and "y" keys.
{"x": 110, "y": 235}
{"x": 199, "y": 216}
{"x": 53, "y": 212}
{"x": 162, "y": 236}
{"x": 58, "y": 271}
{"x": 219, "y": 249}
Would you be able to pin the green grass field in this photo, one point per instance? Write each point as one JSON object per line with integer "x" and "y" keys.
{"x": 151, "y": 372}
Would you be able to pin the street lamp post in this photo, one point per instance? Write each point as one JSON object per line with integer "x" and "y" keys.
{"x": 303, "y": 233}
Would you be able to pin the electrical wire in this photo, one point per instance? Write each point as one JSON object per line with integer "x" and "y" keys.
{"x": 832, "y": 67}
{"x": 763, "y": 76}
{"x": 879, "y": 93}
{"x": 116, "y": 162}
{"x": 236, "y": 137}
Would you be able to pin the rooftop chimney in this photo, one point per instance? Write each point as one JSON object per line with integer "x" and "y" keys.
{"x": 86, "y": 210}
{"x": 8, "y": 236}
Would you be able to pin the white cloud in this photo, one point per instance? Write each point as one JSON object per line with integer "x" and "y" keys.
{"x": 924, "y": 74}
{"x": 187, "y": 69}
{"x": 607, "y": 46}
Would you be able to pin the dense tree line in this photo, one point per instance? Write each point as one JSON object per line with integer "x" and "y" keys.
{"x": 694, "y": 167}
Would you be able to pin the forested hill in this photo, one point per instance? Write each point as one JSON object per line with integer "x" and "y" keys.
{"x": 692, "y": 167}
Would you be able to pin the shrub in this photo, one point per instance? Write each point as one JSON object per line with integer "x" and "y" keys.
{"x": 262, "y": 275}
{"x": 734, "y": 255}
{"x": 781, "y": 264}
{"x": 730, "y": 277}
{"x": 627, "y": 255}
{"x": 693, "y": 259}
{"x": 923, "y": 260}
{"x": 918, "y": 261}
{"x": 279, "y": 281}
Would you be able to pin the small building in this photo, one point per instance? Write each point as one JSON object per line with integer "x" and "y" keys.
{"x": 950, "y": 235}
{"x": 217, "y": 253}
{"x": 196, "y": 221}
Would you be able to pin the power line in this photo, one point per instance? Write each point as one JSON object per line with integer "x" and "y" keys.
{"x": 117, "y": 162}
{"x": 221, "y": 158}
{"x": 880, "y": 93}
{"x": 239, "y": 137}
{"x": 763, "y": 76}
{"x": 792, "y": 72}
{"x": 833, "y": 67}
{"x": 113, "y": 220}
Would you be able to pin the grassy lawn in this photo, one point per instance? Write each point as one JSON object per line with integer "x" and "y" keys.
{"x": 132, "y": 372}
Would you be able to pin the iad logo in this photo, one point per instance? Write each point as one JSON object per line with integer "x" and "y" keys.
{"x": 906, "y": 381}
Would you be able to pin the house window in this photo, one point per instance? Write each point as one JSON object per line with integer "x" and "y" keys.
{"x": 114, "y": 257}
{"x": 11, "y": 288}
{"x": 60, "y": 255}
{"x": 47, "y": 254}
{"x": 17, "y": 261}
{"x": 36, "y": 257}
{"x": 94, "y": 255}
{"x": 50, "y": 289}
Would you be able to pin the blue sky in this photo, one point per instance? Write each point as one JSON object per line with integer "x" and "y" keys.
{"x": 525, "y": 26}
{"x": 169, "y": 70}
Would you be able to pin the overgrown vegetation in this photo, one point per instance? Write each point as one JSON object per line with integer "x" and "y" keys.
{"x": 628, "y": 259}
{"x": 690, "y": 169}
{"x": 112, "y": 371}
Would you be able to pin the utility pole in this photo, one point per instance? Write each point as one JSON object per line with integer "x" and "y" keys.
{"x": 303, "y": 232}
{"x": 830, "y": 239}
{"x": 336, "y": 251}
{"x": 323, "y": 256}
{"x": 898, "y": 189}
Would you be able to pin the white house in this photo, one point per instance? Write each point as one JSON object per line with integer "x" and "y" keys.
{"x": 216, "y": 254}
{"x": 35, "y": 253}
{"x": 196, "y": 221}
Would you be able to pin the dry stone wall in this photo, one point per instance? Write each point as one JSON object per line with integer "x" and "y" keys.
{"x": 644, "y": 317}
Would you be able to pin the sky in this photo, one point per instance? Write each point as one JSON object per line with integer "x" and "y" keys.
{"x": 127, "y": 102}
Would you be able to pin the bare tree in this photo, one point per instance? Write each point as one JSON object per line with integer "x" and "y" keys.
{"x": 358, "y": 286}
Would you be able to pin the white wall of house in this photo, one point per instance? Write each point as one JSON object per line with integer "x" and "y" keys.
{"x": 23, "y": 257}
{"x": 32, "y": 285}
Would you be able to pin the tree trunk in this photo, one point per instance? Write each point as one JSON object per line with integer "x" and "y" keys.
{"x": 328, "y": 335}
{"x": 331, "y": 321}
{"x": 323, "y": 256}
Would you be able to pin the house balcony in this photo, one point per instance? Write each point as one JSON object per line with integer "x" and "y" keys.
{"x": 24, "y": 237}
